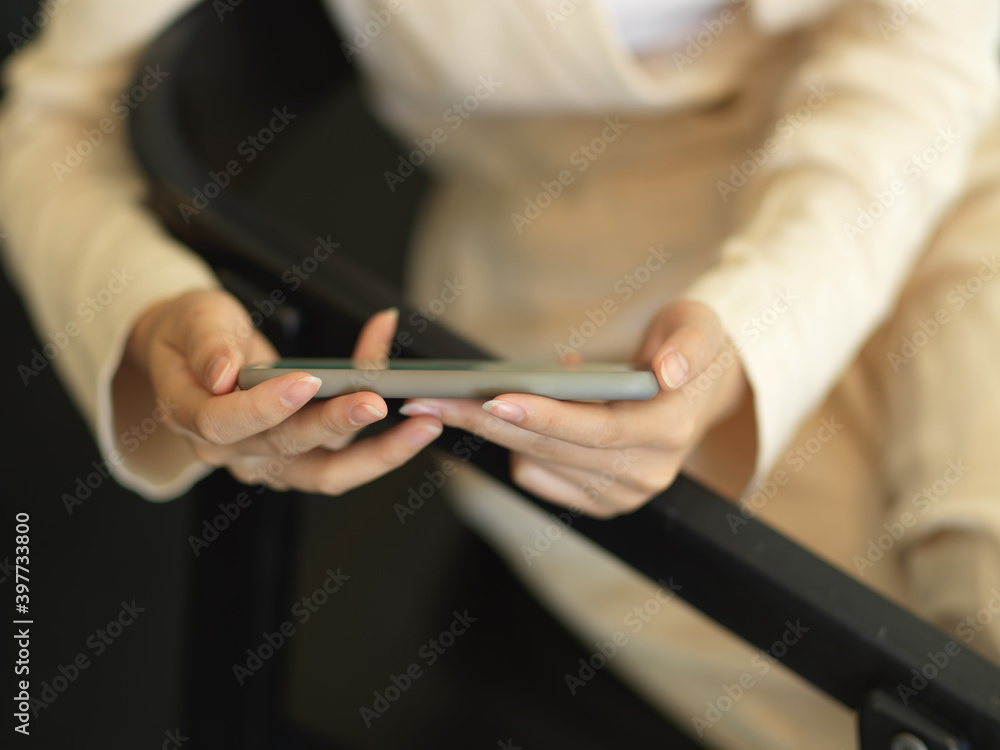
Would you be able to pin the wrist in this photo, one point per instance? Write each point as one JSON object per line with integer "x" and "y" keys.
{"x": 733, "y": 387}
{"x": 139, "y": 342}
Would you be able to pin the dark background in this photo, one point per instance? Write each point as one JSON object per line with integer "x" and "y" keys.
{"x": 115, "y": 547}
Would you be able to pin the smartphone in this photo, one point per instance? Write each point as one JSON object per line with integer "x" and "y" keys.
{"x": 465, "y": 378}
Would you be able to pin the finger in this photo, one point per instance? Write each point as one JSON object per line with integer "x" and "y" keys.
{"x": 372, "y": 348}
{"x": 613, "y": 461}
{"x": 333, "y": 473}
{"x": 681, "y": 343}
{"x": 328, "y": 423}
{"x": 467, "y": 414}
{"x": 684, "y": 354}
{"x": 540, "y": 479}
{"x": 215, "y": 337}
{"x": 261, "y": 470}
{"x": 615, "y": 485}
{"x": 611, "y": 425}
{"x": 231, "y": 417}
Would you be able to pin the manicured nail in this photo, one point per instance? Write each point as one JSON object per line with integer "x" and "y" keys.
{"x": 424, "y": 435}
{"x": 504, "y": 410}
{"x": 674, "y": 370}
{"x": 419, "y": 410}
{"x": 300, "y": 391}
{"x": 362, "y": 414}
{"x": 217, "y": 371}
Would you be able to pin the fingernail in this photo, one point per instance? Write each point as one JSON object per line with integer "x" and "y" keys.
{"x": 362, "y": 414}
{"x": 674, "y": 370}
{"x": 300, "y": 391}
{"x": 504, "y": 410}
{"x": 419, "y": 410}
{"x": 391, "y": 311}
{"x": 424, "y": 435}
{"x": 217, "y": 371}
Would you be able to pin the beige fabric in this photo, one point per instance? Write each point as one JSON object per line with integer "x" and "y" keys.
{"x": 854, "y": 456}
{"x": 862, "y": 104}
{"x": 893, "y": 433}
{"x": 74, "y": 217}
{"x": 690, "y": 121}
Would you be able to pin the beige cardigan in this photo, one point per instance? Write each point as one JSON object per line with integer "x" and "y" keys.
{"x": 758, "y": 183}
{"x": 896, "y": 85}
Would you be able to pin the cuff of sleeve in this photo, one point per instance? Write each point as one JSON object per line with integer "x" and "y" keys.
{"x": 731, "y": 289}
{"x": 146, "y": 456}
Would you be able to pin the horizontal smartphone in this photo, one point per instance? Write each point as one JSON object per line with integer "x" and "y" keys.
{"x": 465, "y": 378}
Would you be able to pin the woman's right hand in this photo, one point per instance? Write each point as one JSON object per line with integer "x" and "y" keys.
{"x": 188, "y": 351}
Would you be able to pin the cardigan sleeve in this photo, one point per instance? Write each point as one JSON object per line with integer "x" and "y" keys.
{"x": 87, "y": 256}
{"x": 870, "y": 147}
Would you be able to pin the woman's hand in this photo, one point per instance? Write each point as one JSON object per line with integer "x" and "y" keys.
{"x": 610, "y": 458}
{"x": 188, "y": 352}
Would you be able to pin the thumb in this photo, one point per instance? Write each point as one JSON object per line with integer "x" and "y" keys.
{"x": 216, "y": 337}
{"x": 374, "y": 342}
{"x": 681, "y": 343}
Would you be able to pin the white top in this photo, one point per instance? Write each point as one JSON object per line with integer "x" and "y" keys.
{"x": 646, "y": 25}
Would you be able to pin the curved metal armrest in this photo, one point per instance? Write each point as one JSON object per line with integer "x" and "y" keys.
{"x": 863, "y": 650}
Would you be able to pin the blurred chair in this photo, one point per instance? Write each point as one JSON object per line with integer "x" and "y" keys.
{"x": 228, "y": 71}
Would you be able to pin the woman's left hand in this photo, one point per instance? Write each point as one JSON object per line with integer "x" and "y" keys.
{"x": 603, "y": 459}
